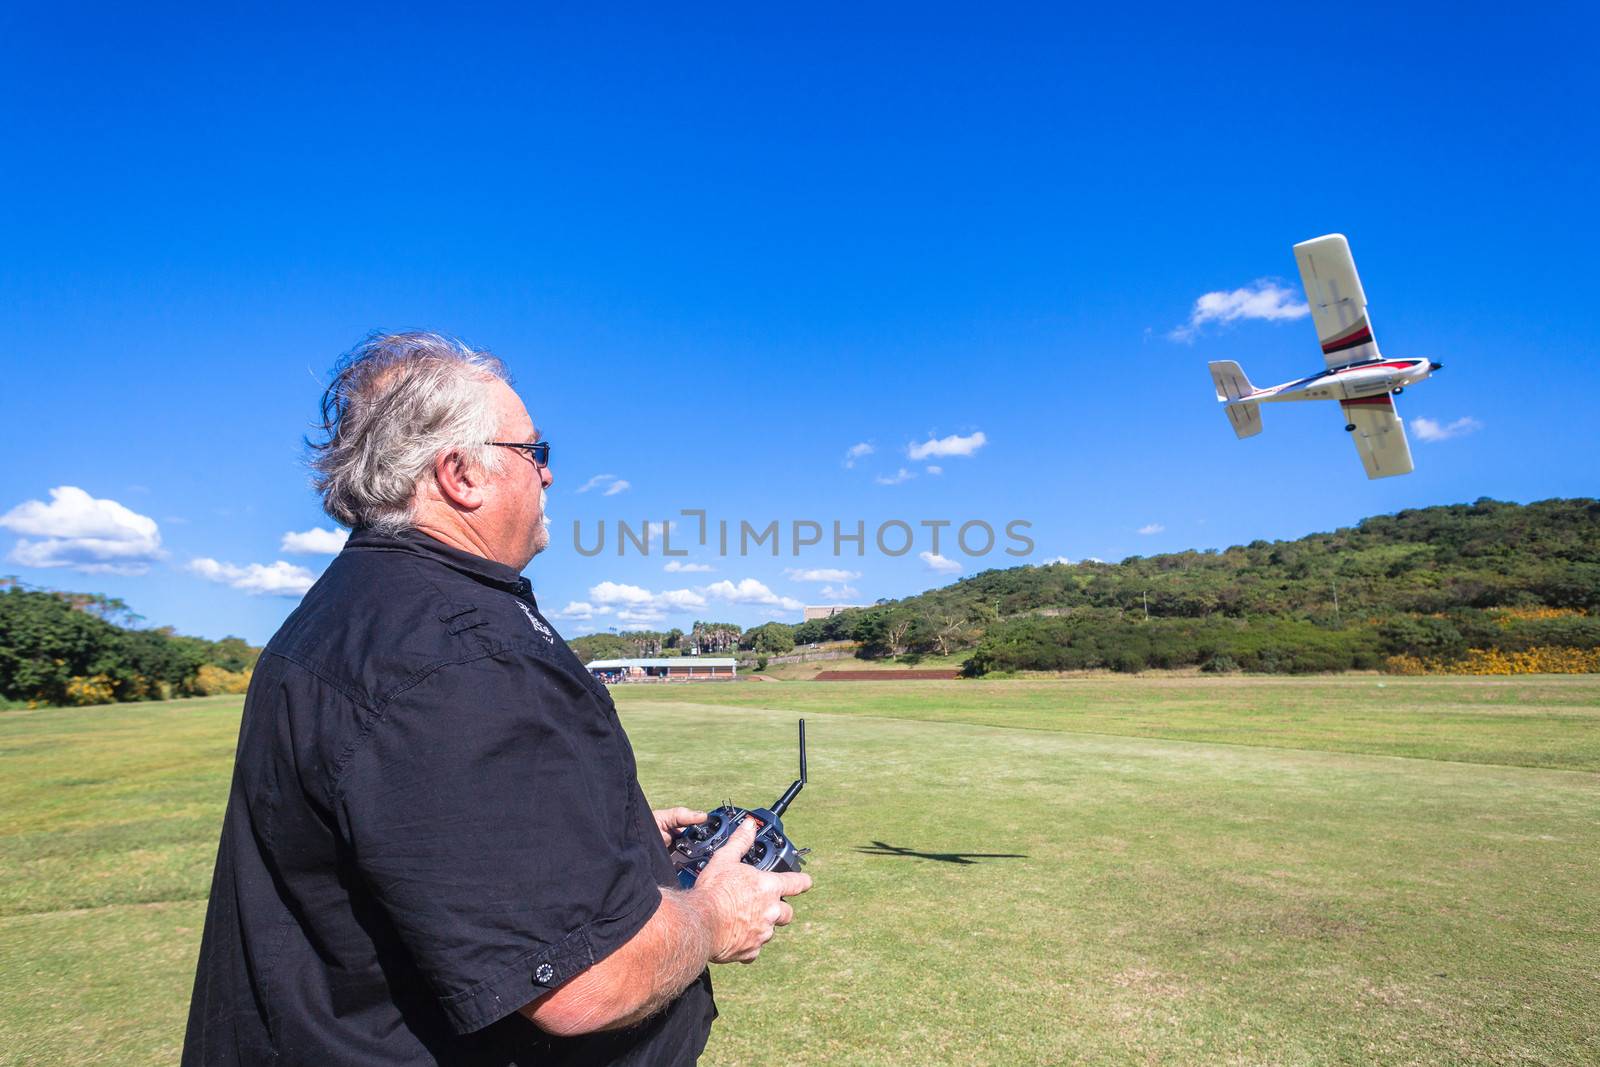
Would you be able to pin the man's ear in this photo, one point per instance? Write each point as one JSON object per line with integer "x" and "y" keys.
{"x": 459, "y": 484}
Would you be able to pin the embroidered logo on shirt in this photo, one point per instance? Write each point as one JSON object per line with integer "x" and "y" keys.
{"x": 533, "y": 620}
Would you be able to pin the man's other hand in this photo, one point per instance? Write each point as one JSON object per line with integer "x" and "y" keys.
{"x": 670, "y": 819}
{"x": 743, "y": 905}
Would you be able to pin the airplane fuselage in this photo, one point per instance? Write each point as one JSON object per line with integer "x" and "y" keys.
{"x": 1373, "y": 378}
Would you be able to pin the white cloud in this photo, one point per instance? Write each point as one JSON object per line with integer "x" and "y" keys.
{"x": 1260, "y": 300}
{"x": 679, "y": 567}
{"x": 636, "y": 604}
{"x": 1430, "y": 431}
{"x": 934, "y": 470}
{"x": 1151, "y": 528}
{"x": 618, "y": 593}
{"x": 902, "y": 475}
{"x": 938, "y": 564}
{"x": 821, "y": 574}
{"x": 840, "y": 592}
{"x": 618, "y": 486}
{"x": 954, "y": 445}
{"x": 680, "y": 598}
{"x": 1063, "y": 560}
{"x": 855, "y": 452}
{"x": 597, "y": 481}
{"x": 640, "y": 616}
{"x": 274, "y": 579}
{"x": 314, "y": 542}
{"x": 79, "y": 531}
{"x": 580, "y": 610}
{"x": 637, "y": 598}
{"x": 750, "y": 591}
{"x": 657, "y": 531}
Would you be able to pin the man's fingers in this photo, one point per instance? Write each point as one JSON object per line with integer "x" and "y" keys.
{"x": 744, "y": 836}
{"x": 785, "y": 914}
{"x": 792, "y": 884}
{"x": 685, "y": 816}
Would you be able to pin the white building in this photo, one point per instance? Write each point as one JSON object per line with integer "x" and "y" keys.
{"x": 665, "y": 669}
{"x": 823, "y": 611}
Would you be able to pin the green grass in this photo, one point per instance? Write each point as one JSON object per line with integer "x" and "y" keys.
{"x": 1210, "y": 870}
{"x": 1530, "y": 721}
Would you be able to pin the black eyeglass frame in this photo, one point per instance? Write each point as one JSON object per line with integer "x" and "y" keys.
{"x": 538, "y": 451}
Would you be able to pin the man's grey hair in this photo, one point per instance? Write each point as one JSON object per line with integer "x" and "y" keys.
{"x": 398, "y": 401}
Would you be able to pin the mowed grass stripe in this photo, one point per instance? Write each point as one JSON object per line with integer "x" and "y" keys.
{"x": 1551, "y": 721}
{"x": 1174, "y": 902}
{"x": 112, "y": 805}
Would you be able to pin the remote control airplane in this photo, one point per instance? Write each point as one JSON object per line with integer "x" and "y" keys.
{"x": 1362, "y": 381}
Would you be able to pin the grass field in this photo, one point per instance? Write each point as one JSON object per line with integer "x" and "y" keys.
{"x": 1195, "y": 870}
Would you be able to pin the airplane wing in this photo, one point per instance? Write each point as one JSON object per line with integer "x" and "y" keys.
{"x": 1338, "y": 306}
{"x": 1379, "y": 436}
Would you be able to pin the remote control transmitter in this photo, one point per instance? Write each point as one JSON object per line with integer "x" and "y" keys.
{"x": 693, "y": 846}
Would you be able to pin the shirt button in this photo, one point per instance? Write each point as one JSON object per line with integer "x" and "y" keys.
{"x": 544, "y": 972}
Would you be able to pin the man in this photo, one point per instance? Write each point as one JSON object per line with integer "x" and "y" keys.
{"x": 435, "y": 848}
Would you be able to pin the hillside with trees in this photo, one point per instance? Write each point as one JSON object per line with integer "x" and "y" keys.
{"x": 1488, "y": 586}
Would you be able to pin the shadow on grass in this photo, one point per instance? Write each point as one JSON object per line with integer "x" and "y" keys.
{"x": 964, "y": 858}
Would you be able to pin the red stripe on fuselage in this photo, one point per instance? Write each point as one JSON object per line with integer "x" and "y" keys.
{"x": 1369, "y": 401}
{"x": 1397, "y": 364}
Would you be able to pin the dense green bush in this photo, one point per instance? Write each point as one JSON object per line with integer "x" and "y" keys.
{"x": 78, "y": 648}
{"x": 1089, "y": 642}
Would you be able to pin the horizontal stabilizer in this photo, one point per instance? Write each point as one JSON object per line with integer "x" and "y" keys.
{"x": 1246, "y": 418}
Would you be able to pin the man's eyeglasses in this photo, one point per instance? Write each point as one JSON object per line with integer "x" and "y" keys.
{"x": 539, "y": 450}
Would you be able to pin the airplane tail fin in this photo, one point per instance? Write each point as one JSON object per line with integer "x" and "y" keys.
{"x": 1229, "y": 380}
{"x": 1232, "y": 389}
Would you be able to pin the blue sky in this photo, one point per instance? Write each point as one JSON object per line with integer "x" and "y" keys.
{"x": 720, "y": 246}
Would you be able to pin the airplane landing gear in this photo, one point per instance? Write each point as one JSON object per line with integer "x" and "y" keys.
{"x": 1397, "y": 390}
{"x": 1349, "y": 427}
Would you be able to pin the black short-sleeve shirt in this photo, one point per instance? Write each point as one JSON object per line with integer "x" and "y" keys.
{"x": 434, "y": 819}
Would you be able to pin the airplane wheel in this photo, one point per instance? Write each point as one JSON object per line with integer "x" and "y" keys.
{"x": 1399, "y": 390}
{"x": 1349, "y": 427}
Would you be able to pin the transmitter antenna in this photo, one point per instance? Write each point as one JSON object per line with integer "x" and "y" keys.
{"x": 783, "y": 802}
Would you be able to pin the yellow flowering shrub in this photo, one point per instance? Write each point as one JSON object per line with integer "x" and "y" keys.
{"x": 211, "y": 680}
{"x": 1404, "y": 665}
{"x": 93, "y": 689}
{"x": 1542, "y": 660}
{"x": 1508, "y": 616}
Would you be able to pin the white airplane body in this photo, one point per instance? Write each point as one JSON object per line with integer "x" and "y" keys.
{"x": 1361, "y": 379}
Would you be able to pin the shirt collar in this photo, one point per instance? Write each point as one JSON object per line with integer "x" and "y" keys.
{"x": 417, "y": 543}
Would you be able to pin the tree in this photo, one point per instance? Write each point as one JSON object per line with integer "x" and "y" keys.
{"x": 769, "y": 637}
{"x": 714, "y": 636}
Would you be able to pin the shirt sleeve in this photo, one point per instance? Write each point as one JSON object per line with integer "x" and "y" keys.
{"x": 489, "y": 809}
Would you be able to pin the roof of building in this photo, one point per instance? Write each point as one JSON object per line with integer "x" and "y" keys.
{"x": 665, "y": 661}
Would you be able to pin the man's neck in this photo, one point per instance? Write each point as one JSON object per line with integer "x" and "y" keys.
{"x": 451, "y": 531}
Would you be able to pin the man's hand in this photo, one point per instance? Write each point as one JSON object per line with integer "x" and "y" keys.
{"x": 742, "y": 905}
{"x": 730, "y": 913}
{"x": 670, "y": 819}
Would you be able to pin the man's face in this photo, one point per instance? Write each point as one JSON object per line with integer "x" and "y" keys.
{"x": 519, "y": 523}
